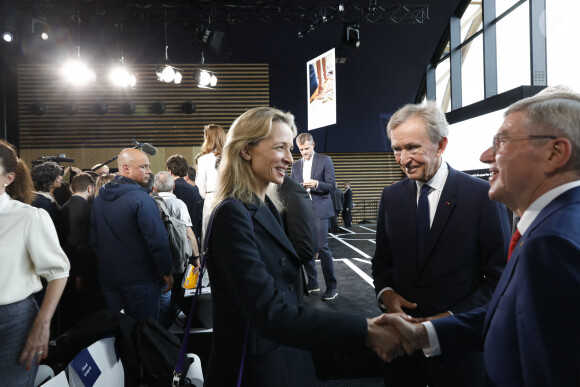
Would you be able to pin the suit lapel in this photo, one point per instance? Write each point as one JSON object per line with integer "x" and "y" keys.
{"x": 272, "y": 224}
{"x": 314, "y": 165}
{"x": 299, "y": 165}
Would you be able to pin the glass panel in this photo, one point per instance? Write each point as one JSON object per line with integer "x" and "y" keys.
{"x": 443, "y": 89}
{"x": 472, "y": 72}
{"x": 563, "y": 35}
{"x": 513, "y": 50}
{"x": 471, "y": 20}
{"x": 503, "y": 5}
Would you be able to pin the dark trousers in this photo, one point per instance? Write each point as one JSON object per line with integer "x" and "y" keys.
{"x": 326, "y": 260}
{"x": 333, "y": 224}
{"x": 438, "y": 371}
{"x": 347, "y": 218}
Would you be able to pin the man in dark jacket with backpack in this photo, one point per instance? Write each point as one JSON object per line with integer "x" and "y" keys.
{"x": 130, "y": 241}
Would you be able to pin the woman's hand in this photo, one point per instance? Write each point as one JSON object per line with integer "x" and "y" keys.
{"x": 36, "y": 343}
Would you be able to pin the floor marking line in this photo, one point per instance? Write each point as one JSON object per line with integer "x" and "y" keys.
{"x": 361, "y": 273}
{"x": 351, "y": 246}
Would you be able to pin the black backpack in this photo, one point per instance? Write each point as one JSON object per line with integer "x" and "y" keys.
{"x": 157, "y": 350}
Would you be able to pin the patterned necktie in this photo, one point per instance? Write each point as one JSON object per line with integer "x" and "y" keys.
{"x": 423, "y": 219}
{"x": 514, "y": 241}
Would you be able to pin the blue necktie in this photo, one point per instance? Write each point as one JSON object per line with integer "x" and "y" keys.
{"x": 423, "y": 220}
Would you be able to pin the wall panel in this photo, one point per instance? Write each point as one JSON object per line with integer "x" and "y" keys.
{"x": 240, "y": 87}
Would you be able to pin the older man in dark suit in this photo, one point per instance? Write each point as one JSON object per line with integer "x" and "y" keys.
{"x": 529, "y": 331}
{"x": 441, "y": 243}
{"x": 316, "y": 173}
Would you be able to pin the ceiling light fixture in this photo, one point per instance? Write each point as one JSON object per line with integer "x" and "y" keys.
{"x": 205, "y": 78}
{"x": 166, "y": 72}
{"x": 352, "y": 35}
{"x": 75, "y": 71}
{"x": 40, "y": 28}
{"x": 119, "y": 75}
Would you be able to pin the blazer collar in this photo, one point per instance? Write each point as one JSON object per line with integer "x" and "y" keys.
{"x": 270, "y": 221}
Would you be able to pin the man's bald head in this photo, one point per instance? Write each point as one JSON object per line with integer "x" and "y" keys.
{"x": 134, "y": 164}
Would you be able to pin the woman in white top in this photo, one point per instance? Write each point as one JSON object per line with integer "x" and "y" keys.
{"x": 29, "y": 248}
{"x": 207, "y": 160}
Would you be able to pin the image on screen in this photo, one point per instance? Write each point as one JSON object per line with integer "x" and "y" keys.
{"x": 321, "y": 90}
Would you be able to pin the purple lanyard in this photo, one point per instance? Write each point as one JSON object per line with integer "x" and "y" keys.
{"x": 182, "y": 353}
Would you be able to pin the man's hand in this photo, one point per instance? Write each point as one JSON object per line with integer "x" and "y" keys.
{"x": 386, "y": 342}
{"x": 312, "y": 184}
{"x": 394, "y": 302}
{"x": 169, "y": 281}
{"x": 414, "y": 333}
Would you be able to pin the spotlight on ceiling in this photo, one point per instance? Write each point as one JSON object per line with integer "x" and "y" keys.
{"x": 205, "y": 78}
{"x": 121, "y": 77}
{"x": 166, "y": 72}
{"x": 8, "y": 36}
{"x": 40, "y": 28}
{"x": 352, "y": 35}
{"x": 75, "y": 71}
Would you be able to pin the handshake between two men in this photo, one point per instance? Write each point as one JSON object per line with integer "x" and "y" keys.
{"x": 395, "y": 335}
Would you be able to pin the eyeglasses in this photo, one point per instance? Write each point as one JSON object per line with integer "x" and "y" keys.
{"x": 500, "y": 139}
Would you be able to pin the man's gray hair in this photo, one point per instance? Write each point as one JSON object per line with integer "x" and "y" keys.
{"x": 303, "y": 138}
{"x": 164, "y": 182}
{"x": 553, "y": 113}
{"x": 431, "y": 114}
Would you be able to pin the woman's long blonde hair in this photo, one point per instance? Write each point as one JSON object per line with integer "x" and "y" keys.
{"x": 235, "y": 176}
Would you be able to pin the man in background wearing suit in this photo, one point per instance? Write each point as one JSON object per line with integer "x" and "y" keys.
{"x": 529, "y": 331}
{"x": 441, "y": 243}
{"x": 316, "y": 173}
{"x": 347, "y": 205}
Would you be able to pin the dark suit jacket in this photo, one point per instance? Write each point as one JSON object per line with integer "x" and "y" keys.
{"x": 254, "y": 273}
{"x": 193, "y": 200}
{"x": 530, "y": 332}
{"x": 323, "y": 171}
{"x": 347, "y": 200}
{"x": 297, "y": 218}
{"x": 466, "y": 247}
{"x": 73, "y": 224}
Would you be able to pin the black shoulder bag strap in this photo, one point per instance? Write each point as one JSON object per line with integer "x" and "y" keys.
{"x": 204, "y": 254}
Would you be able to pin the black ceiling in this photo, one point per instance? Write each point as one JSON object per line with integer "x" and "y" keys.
{"x": 399, "y": 38}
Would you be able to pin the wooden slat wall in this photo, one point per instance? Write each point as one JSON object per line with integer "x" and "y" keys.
{"x": 240, "y": 87}
{"x": 368, "y": 174}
